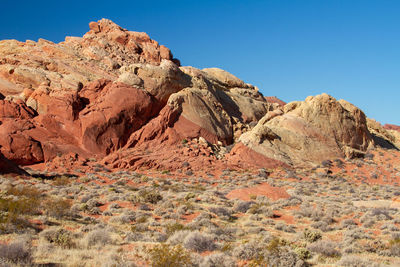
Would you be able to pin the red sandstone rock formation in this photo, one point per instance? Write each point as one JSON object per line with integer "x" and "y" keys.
{"x": 392, "y": 127}
{"x": 122, "y": 98}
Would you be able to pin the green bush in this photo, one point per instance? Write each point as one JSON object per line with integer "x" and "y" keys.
{"x": 164, "y": 255}
{"x": 57, "y": 207}
{"x": 303, "y": 253}
{"x": 174, "y": 227}
{"x": 13, "y": 213}
{"x": 24, "y": 191}
{"x": 311, "y": 236}
{"x": 60, "y": 237}
{"x": 61, "y": 181}
{"x": 146, "y": 196}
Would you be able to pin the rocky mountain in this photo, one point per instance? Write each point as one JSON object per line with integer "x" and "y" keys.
{"x": 119, "y": 98}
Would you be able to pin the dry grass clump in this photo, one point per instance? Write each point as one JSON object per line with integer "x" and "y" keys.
{"x": 199, "y": 242}
{"x": 325, "y": 247}
{"x": 18, "y": 252}
{"x": 99, "y": 237}
{"x": 355, "y": 261}
{"x": 218, "y": 259}
{"x": 57, "y": 207}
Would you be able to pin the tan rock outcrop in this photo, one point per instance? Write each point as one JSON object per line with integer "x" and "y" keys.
{"x": 308, "y": 132}
{"x": 383, "y": 136}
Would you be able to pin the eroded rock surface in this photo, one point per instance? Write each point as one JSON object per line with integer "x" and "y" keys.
{"x": 310, "y": 131}
{"x": 119, "y": 97}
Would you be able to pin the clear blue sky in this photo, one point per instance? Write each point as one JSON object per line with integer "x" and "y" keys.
{"x": 290, "y": 49}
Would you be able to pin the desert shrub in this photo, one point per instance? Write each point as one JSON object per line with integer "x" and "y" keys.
{"x": 224, "y": 233}
{"x": 376, "y": 214}
{"x": 13, "y": 213}
{"x": 284, "y": 257}
{"x": 394, "y": 247}
{"x": 140, "y": 227}
{"x": 199, "y": 242}
{"x": 61, "y": 181}
{"x": 149, "y": 196}
{"x": 171, "y": 228}
{"x": 355, "y": 234}
{"x": 274, "y": 244}
{"x": 178, "y": 237}
{"x": 348, "y": 223}
{"x": 17, "y": 252}
{"x": 382, "y": 212}
{"x": 368, "y": 223}
{"x": 242, "y": 206}
{"x": 248, "y": 251}
{"x": 302, "y": 253}
{"x": 164, "y": 255}
{"x": 59, "y": 237}
{"x": 123, "y": 219}
{"x": 218, "y": 260}
{"x": 98, "y": 237}
{"x": 285, "y": 227}
{"x": 24, "y": 191}
{"x": 57, "y": 207}
{"x": 311, "y": 236}
{"x": 92, "y": 203}
{"x": 277, "y": 253}
{"x": 189, "y": 195}
{"x": 325, "y": 248}
{"x": 221, "y": 211}
{"x": 113, "y": 260}
{"x": 259, "y": 208}
{"x": 354, "y": 261}
{"x": 323, "y": 226}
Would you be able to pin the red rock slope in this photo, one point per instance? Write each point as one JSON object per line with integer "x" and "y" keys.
{"x": 121, "y": 98}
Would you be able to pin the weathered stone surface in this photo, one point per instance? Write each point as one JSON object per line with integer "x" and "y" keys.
{"x": 383, "y": 136}
{"x": 392, "y": 127}
{"x": 119, "y": 96}
{"x": 113, "y": 112}
{"x": 158, "y": 80}
{"x": 316, "y": 129}
{"x": 16, "y": 143}
{"x": 13, "y": 110}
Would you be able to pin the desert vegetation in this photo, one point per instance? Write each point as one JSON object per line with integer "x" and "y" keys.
{"x": 325, "y": 217}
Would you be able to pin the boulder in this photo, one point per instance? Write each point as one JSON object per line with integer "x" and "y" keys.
{"x": 112, "y": 113}
{"x": 305, "y": 133}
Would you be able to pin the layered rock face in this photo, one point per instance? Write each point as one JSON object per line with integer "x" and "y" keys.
{"x": 90, "y": 95}
{"x": 387, "y": 136}
{"x": 310, "y": 131}
{"x": 120, "y": 97}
